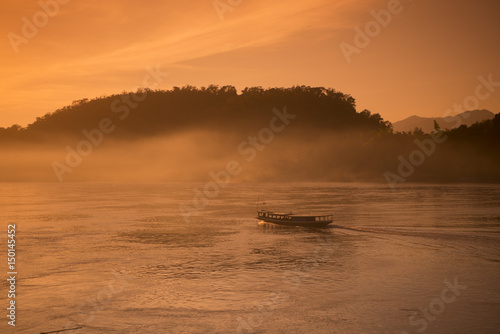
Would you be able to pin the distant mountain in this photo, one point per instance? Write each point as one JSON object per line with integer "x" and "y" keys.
{"x": 427, "y": 123}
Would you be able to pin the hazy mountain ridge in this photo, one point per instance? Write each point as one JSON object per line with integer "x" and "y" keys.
{"x": 450, "y": 122}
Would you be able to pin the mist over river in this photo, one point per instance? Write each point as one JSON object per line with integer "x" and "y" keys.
{"x": 120, "y": 258}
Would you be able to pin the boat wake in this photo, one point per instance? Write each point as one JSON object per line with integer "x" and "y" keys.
{"x": 461, "y": 241}
{"x": 441, "y": 234}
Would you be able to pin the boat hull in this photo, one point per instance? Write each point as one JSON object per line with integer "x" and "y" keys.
{"x": 295, "y": 222}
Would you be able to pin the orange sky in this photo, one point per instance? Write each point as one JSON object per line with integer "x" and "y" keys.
{"x": 425, "y": 60}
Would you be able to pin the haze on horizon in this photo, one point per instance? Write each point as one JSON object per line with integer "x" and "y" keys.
{"x": 424, "y": 61}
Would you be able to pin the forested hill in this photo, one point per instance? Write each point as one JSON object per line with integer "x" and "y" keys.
{"x": 148, "y": 112}
{"x": 279, "y": 134}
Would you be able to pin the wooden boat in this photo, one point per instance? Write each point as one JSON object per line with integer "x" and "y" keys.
{"x": 291, "y": 219}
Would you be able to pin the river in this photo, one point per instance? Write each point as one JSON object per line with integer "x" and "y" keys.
{"x": 121, "y": 258}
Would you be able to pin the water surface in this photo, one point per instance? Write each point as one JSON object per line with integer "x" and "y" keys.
{"x": 120, "y": 258}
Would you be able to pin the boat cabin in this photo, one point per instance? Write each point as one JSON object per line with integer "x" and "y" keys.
{"x": 269, "y": 215}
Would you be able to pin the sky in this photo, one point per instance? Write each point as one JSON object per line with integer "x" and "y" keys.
{"x": 425, "y": 57}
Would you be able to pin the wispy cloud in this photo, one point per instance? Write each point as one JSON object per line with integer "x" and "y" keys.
{"x": 92, "y": 48}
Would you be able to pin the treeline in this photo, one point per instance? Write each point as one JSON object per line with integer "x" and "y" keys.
{"x": 464, "y": 154}
{"x": 152, "y": 112}
{"x": 328, "y": 140}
